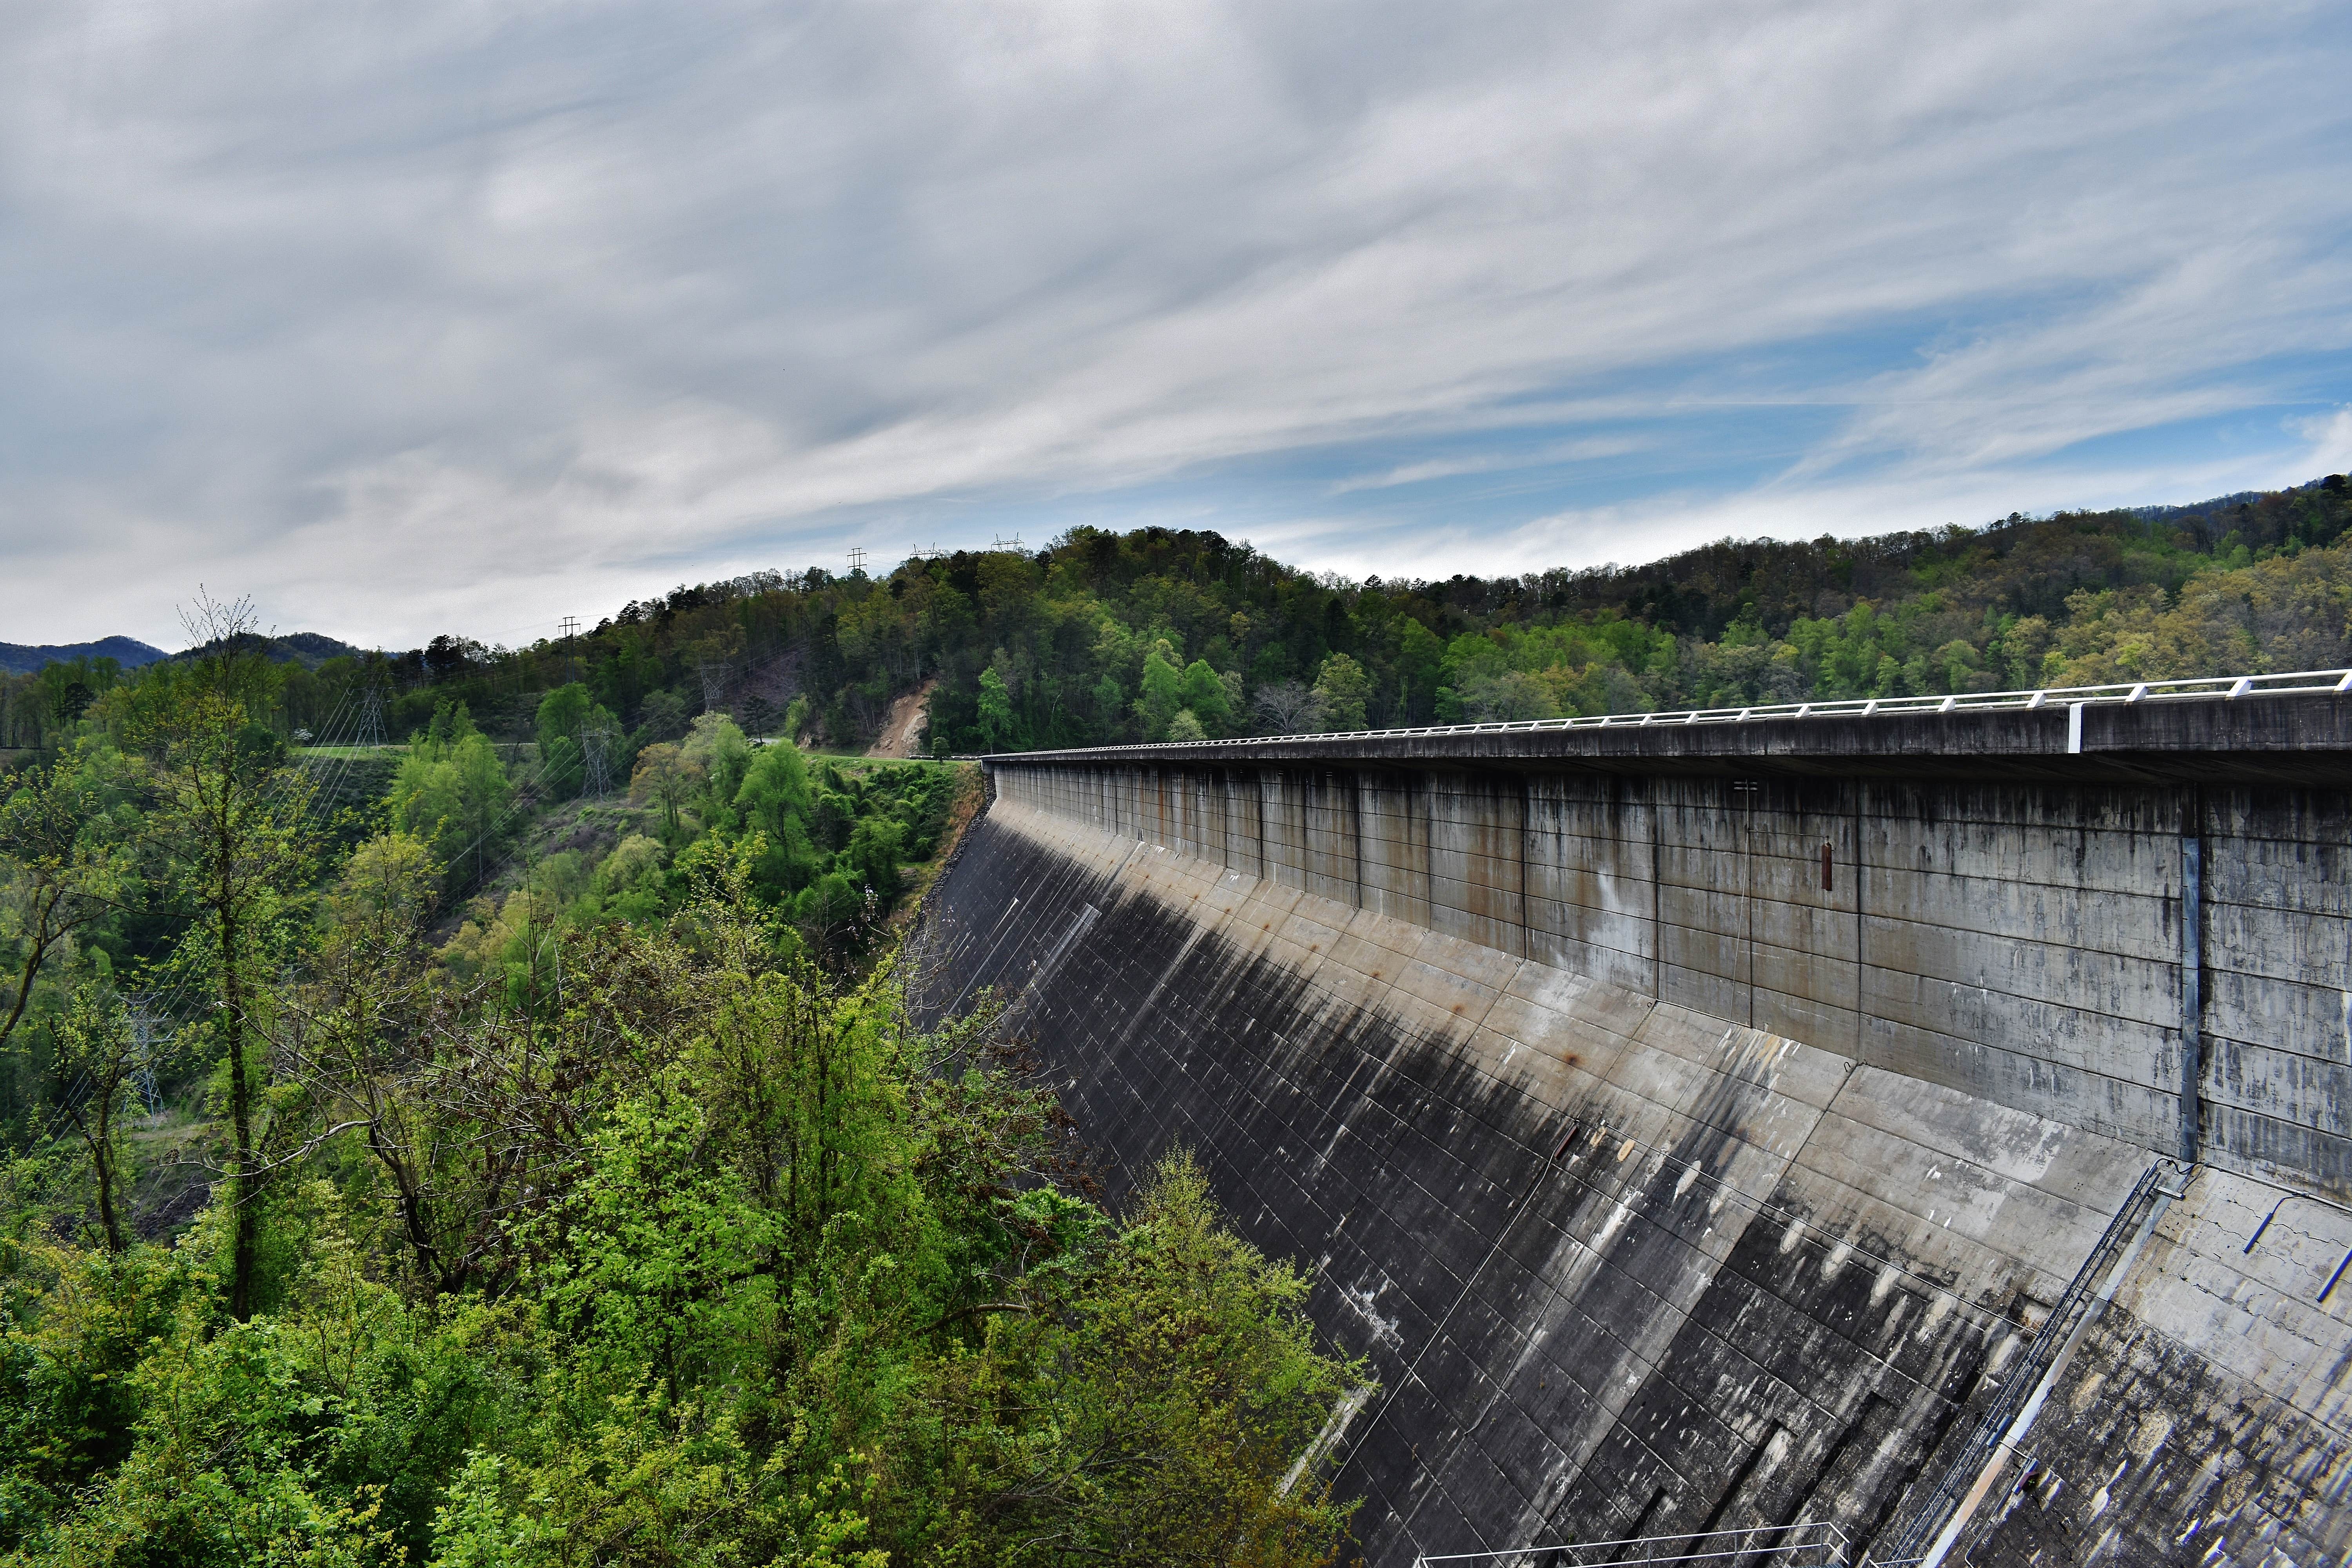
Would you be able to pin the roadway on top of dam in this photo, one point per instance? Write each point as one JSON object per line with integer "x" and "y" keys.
{"x": 2280, "y": 729}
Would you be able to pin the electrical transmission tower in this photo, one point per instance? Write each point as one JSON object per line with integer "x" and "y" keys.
{"x": 145, "y": 1031}
{"x": 571, "y": 638}
{"x": 371, "y": 722}
{"x": 595, "y": 755}
{"x": 713, "y": 672}
{"x": 858, "y": 558}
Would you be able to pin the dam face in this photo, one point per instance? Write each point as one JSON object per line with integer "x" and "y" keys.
{"x": 1742, "y": 1126}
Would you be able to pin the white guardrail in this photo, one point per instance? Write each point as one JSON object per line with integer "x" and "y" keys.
{"x": 2214, "y": 687}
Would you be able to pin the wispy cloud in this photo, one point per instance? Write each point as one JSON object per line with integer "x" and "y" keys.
{"x": 1548, "y": 455}
{"x": 440, "y": 317}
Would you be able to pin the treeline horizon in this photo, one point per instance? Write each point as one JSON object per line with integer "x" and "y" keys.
{"x": 1102, "y": 637}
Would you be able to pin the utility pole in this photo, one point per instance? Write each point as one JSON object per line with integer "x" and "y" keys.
{"x": 571, "y": 634}
{"x": 857, "y": 559}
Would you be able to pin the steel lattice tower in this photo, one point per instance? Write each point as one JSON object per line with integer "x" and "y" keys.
{"x": 369, "y": 730}
{"x": 595, "y": 741}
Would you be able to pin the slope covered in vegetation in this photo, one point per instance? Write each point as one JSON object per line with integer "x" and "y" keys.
{"x": 1105, "y": 637}
{"x": 629, "y": 1221}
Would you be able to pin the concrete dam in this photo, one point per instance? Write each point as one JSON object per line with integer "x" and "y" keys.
{"x": 1930, "y": 1129}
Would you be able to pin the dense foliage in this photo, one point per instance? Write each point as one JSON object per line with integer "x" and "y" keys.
{"x": 1105, "y": 637}
{"x": 99, "y": 841}
{"x": 631, "y": 1220}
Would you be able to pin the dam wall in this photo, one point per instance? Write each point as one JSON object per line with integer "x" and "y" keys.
{"x": 1694, "y": 1130}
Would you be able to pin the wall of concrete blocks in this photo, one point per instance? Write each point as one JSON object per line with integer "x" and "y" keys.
{"x": 2022, "y": 943}
{"x": 1621, "y": 1265}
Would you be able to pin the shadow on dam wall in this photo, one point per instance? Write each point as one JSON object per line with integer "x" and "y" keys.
{"x": 1625, "y": 1267}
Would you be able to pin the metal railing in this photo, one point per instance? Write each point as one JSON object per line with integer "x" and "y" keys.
{"x": 1812, "y": 1544}
{"x": 2209, "y": 688}
{"x": 1929, "y": 1514}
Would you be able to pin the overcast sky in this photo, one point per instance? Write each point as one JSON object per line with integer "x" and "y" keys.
{"x": 423, "y": 317}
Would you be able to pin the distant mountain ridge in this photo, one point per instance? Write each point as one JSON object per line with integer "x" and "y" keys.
{"x": 309, "y": 649}
{"x": 2219, "y": 503}
{"x": 23, "y": 659}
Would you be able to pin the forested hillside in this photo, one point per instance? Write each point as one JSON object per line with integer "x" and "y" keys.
{"x": 1104, "y": 637}
{"x": 517, "y": 1165}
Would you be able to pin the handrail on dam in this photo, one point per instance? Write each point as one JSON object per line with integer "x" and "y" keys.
{"x": 2011, "y": 1411}
{"x": 2214, "y": 687}
{"x": 1810, "y": 1544}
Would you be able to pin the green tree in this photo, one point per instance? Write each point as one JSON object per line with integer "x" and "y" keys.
{"x": 719, "y": 1261}
{"x": 777, "y": 801}
{"x": 101, "y": 1044}
{"x": 997, "y": 725}
{"x": 452, "y": 791}
{"x": 717, "y": 752}
{"x": 1343, "y": 688}
{"x": 63, "y": 861}
{"x": 876, "y": 844}
{"x": 1171, "y": 1391}
{"x": 563, "y": 714}
{"x": 1163, "y": 692}
{"x": 660, "y": 776}
{"x": 228, "y": 835}
{"x": 1420, "y": 659}
{"x": 1204, "y": 694}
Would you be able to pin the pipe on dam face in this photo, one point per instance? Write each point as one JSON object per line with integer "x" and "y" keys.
{"x": 1868, "y": 1115}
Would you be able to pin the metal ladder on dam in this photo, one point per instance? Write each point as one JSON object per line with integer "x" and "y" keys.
{"x": 1937, "y": 1522}
{"x": 1808, "y": 1545}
